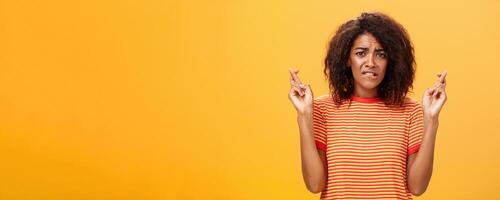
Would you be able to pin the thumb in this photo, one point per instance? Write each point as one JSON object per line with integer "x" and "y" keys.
{"x": 309, "y": 90}
{"x": 429, "y": 91}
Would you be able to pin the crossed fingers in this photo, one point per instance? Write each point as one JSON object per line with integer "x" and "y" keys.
{"x": 295, "y": 81}
{"x": 440, "y": 85}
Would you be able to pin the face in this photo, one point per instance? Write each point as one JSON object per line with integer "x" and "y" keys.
{"x": 368, "y": 62}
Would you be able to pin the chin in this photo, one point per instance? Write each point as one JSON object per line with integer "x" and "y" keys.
{"x": 370, "y": 85}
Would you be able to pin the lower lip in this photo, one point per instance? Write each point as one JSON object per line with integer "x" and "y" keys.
{"x": 371, "y": 76}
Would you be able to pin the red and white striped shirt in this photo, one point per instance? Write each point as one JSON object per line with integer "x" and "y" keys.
{"x": 367, "y": 145}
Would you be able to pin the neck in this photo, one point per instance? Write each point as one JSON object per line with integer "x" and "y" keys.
{"x": 363, "y": 93}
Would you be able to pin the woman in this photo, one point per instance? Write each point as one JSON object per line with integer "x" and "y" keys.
{"x": 368, "y": 139}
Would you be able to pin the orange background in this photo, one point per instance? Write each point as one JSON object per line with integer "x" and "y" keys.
{"x": 188, "y": 99}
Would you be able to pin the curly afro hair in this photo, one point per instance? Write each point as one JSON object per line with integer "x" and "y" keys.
{"x": 393, "y": 37}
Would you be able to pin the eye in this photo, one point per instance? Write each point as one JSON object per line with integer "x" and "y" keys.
{"x": 360, "y": 53}
{"x": 382, "y": 55}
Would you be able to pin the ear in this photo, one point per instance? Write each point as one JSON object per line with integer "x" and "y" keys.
{"x": 349, "y": 62}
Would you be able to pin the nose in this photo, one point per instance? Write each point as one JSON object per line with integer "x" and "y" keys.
{"x": 369, "y": 62}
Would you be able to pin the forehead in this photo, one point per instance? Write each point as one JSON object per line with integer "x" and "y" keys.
{"x": 366, "y": 40}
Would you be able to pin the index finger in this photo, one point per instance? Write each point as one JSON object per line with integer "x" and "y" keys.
{"x": 294, "y": 75}
{"x": 442, "y": 77}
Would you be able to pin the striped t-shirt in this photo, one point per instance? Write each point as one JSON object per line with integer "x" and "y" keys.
{"x": 366, "y": 145}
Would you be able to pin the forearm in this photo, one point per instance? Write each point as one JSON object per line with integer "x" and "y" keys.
{"x": 313, "y": 170}
{"x": 420, "y": 171}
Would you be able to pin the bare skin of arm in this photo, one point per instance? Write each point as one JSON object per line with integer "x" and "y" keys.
{"x": 312, "y": 159}
{"x": 420, "y": 164}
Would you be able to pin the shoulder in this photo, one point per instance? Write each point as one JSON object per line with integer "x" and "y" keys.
{"x": 321, "y": 101}
{"x": 411, "y": 104}
{"x": 324, "y": 97}
{"x": 410, "y": 101}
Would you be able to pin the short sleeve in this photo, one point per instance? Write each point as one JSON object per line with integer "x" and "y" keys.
{"x": 416, "y": 128}
{"x": 319, "y": 125}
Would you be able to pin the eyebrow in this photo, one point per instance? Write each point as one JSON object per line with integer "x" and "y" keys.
{"x": 366, "y": 48}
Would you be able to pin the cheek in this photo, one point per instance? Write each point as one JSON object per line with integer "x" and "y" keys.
{"x": 356, "y": 62}
{"x": 382, "y": 64}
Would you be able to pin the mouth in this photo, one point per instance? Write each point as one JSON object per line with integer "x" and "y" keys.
{"x": 369, "y": 73}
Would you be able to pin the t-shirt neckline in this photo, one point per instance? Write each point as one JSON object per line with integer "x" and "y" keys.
{"x": 366, "y": 99}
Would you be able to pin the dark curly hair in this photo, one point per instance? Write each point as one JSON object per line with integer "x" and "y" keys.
{"x": 394, "y": 39}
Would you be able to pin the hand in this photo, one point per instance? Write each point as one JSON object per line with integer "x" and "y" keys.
{"x": 300, "y": 95}
{"x": 434, "y": 98}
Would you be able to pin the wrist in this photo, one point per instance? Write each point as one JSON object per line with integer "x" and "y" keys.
{"x": 431, "y": 120}
{"x": 431, "y": 117}
{"x": 305, "y": 115}
{"x": 305, "y": 112}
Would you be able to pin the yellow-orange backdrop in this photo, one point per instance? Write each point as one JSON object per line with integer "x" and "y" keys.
{"x": 188, "y": 99}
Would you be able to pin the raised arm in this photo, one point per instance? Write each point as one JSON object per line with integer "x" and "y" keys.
{"x": 313, "y": 160}
{"x": 420, "y": 164}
